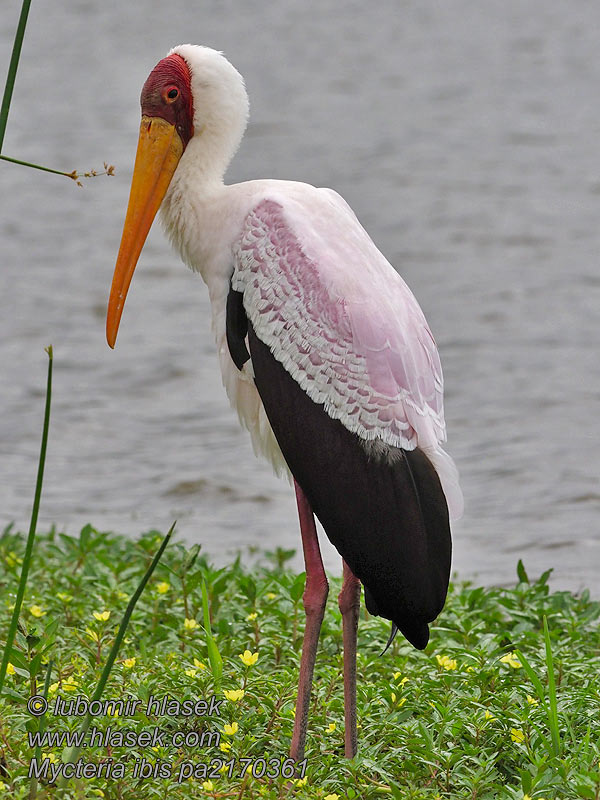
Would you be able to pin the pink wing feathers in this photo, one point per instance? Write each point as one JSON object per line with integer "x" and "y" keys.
{"x": 343, "y": 323}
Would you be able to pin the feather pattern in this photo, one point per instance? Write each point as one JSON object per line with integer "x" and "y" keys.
{"x": 344, "y": 324}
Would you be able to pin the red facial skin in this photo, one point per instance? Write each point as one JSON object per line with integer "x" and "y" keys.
{"x": 167, "y": 93}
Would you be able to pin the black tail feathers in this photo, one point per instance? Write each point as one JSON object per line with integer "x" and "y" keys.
{"x": 393, "y": 633}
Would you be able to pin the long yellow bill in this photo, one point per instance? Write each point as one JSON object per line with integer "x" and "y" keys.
{"x": 158, "y": 153}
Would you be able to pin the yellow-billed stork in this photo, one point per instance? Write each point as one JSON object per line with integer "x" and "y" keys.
{"x": 324, "y": 351}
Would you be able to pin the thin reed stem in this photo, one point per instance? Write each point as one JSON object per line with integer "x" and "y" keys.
{"x": 31, "y": 536}
{"x": 33, "y": 786}
{"x": 7, "y": 97}
{"x": 12, "y": 69}
{"x": 72, "y": 175}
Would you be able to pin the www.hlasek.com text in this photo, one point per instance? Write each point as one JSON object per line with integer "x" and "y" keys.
{"x": 123, "y": 737}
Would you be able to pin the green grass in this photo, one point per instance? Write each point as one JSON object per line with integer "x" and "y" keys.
{"x": 453, "y": 721}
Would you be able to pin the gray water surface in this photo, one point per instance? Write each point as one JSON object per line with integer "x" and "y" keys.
{"x": 466, "y": 138}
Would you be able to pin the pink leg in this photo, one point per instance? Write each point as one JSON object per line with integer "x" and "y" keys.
{"x": 349, "y": 603}
{"x": 314, "y": 598}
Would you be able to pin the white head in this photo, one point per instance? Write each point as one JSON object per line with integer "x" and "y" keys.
{"x": 220, "y": 104}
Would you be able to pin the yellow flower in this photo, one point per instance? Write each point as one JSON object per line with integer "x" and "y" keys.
{"x": 446, "y": 662}
{"x": 251, "y": 617}
{"x": 270, "y": 595}
{"x": 331, "y": 727}
{"x": 112, "y": 712}
{"x": 12, "y": 559}
{"x": 50, "y": 756}
{"x": 190, "y": 624}
{"x": 517, "y": 735}
{"x": 331, "y": 797}
{"x": 163, "y": 587}
{"x": 230, "y": 730}
{"x": 225, "y": 747}
{"x": 249, "y": 658}
{"x": 199, "y": 664}
{"x": 66, "y": 598}
{"x": 208, "y": 786}
{"x": 70, "y": 685}
{"x": 234, "y": 694}
{"x": 512, "y": 660}
{"x": 101, "y": 616}
{"x": 301, "y": 782}
{"x": 92, "y": 634}
{"x": 532, "y": 701}
{"x": 10, "y": 670}
{"x": 52, "y": 688}
{"x": 489, "y": 715}
{"x": 37, "y": 611}
{"x": 129, "y": 662}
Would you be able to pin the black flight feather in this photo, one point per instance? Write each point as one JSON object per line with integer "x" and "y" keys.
{"x": 388, "y": 518}
{"x": 236, "y": 328}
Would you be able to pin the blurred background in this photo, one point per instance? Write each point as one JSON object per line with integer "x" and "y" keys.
{"x": 465, "y": 137}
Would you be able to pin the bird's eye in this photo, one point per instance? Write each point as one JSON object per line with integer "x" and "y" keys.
{"x": 173, "y": 93}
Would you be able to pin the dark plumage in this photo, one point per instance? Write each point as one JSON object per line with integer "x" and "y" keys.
{"x": 385, "y": 512}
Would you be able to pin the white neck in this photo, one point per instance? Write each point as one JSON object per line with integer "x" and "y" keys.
{"x": 199, "y": 212}
{"x": 208, "y": 155}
